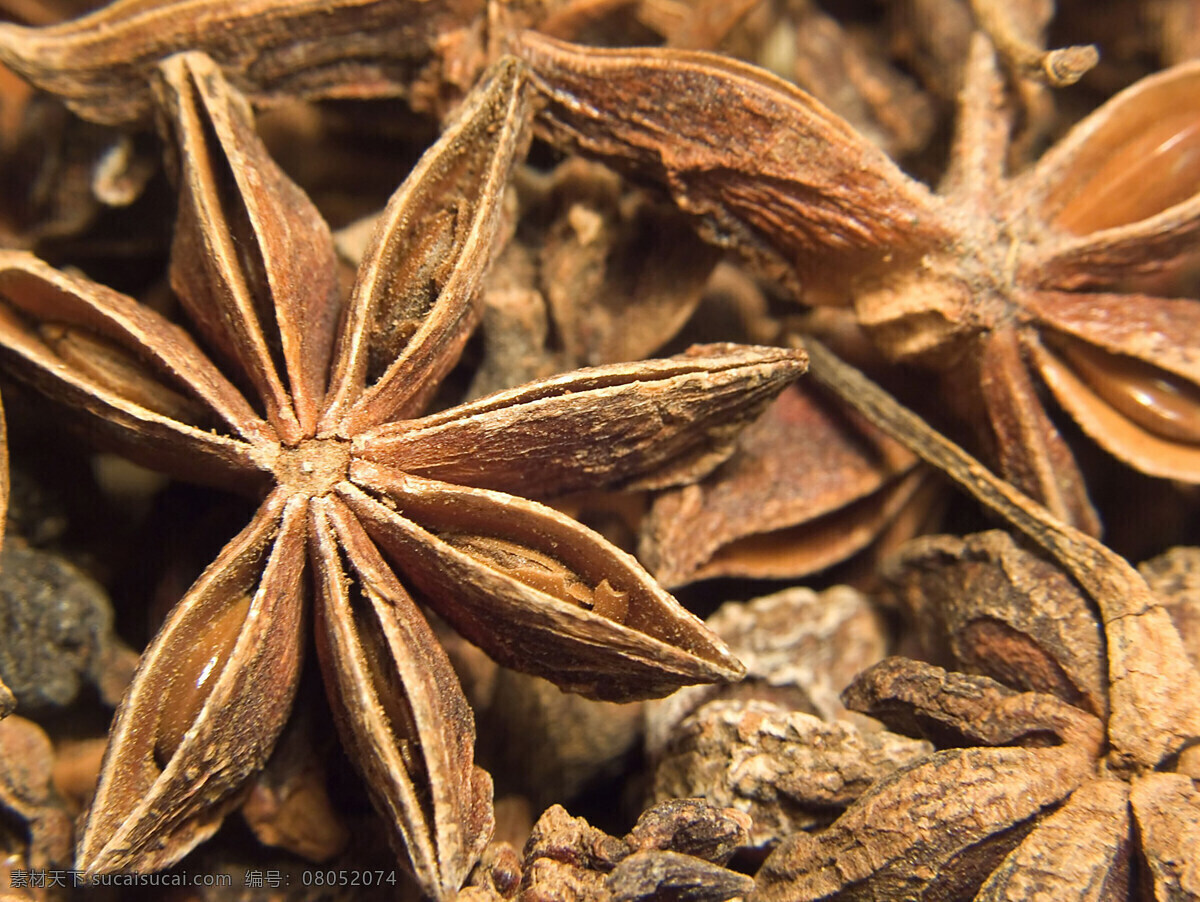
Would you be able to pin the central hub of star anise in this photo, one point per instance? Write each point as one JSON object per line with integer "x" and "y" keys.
{"x": 926, "y": 314}
{"x": 313, "y": 467}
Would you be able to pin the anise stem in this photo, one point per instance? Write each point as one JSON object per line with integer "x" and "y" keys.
{"x": 1075, "y": 550}
{"x": 1056, "y": 68}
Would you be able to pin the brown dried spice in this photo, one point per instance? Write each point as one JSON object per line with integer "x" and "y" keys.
{"x": 936, "y": 828}
{"x": 1175, "y": 577}
{"x": 102, "y": 63}
{"x": 980, "y": 821}
{"x": 756, "y": 746}
{"x": 807, "y": 488}
{"x": 800, "y": 649}
{"x": 35, "y": 831}
{"x": 984, "y": 605}
{"x": 789, "y": 771}
{"x": 675, "y": 851}
{"x": 1153, "y": 689}
{"x": 589, "y": 249}
{"x": 994, "y": 279}
{"x": 845, "y": 65}
{"x": 542, "y": 743}
{"x": 325, "y": 439}
{"x": 426, "y": 52}
{"x": 288, "y": 804}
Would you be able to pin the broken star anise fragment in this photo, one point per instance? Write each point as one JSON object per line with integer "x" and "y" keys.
{"x": 675, "y": 851}
{"x": 311, "y": 405}
{"x": 780, "y": 746}
{"x": 1015, "y": 804}
{"x": 983, "y": 604}
{"x": 934, "y": 828}
{"x": 995, "y": 282}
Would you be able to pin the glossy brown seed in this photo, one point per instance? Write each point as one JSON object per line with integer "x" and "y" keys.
{"x": 197, "y": 672}
{"x": 1162, "y": 403}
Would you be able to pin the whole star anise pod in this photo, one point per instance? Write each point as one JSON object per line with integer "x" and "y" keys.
{"x": 994, "y": 282}
{"x": 309, "y": 404}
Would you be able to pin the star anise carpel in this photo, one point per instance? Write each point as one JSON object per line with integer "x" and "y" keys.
{"x": 313, "y": 405}
{"x": 100, "y": 63}
{"x": 1006, "y": 284}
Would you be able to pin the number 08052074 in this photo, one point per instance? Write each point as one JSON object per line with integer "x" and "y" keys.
{"x": 348, "y": 878}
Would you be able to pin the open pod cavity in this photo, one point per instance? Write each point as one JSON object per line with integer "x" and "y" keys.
{"x": 251, "y": 259}
{"x": 1124, "y": 185}
{"x": 399, "y": 707}
{"x": 1132, "y": 384}
{"x": 208, "y": 701}
{"x": 415, "y": 301}
{"x": 536, "y": 590}
{"x": 144, "y": 384}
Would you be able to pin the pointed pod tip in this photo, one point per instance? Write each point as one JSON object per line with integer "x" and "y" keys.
{"x": 509, "y": 68}
{"x": 107, "y": 854}
{"x": 791, "y": 360}
{"x": 731, "y": 669}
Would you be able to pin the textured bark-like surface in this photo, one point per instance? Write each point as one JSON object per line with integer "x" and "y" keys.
{"x": 1175, "y": 578}
{"x": 57, "y": 632}
{"x": 102, "y": 63}
{"x": 954, "y": 709}
{"x": 675, "y": 851}
{"x": 788, "y": 770}
{"x": 908, "y": 838}
{"x": 652, "y": 113}
{"x": 984, "y": 605}
{"x": 1082, "y": 851}
{"x": 800, "y": 648}
{"x": 1166, "y": 809}
{"x": 645, "y": 876}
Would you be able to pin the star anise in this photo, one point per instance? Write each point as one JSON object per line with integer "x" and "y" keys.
{"x": 100, "y": 63}
{"x": 1053, "y": 787}
{"x": 807, "y": 486}
{"x": 991, "y": 283}
{"x": 428, "y": 52}
{"x": 309, "y": 405}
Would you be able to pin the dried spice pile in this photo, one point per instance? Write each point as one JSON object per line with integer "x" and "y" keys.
{"x": 374, "y": 371}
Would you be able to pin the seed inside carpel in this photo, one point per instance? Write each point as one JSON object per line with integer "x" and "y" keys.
{"x": 1158, "y": 401}
{"x": 199, "y": 668}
